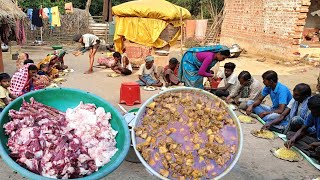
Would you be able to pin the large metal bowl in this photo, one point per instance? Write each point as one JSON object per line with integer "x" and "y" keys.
{"x": 230, "y": 111}
{"x": 62, "y": 99}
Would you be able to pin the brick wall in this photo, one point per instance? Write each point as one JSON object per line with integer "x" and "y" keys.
{"x": 271, "y": 27}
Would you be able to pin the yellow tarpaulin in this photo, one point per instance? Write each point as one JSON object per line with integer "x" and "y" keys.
{"x": 143, "y": 21}
{"x": 156, "y": 9}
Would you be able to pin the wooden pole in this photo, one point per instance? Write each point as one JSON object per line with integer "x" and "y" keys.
{"x": 181, "y": 31}
{"x": 41, "y": 29}
{"x": 201, "y": 9}
{"x": 1, "y": 59}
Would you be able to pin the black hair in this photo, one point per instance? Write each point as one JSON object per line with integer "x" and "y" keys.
{"x": 304, "y": 89}
{"x": 245, "y": 75}
{"x": 225, "y": 52}
{"x": 4, "y": 76}
{"x": 314, "y": 102}
{"x": 230, "y": 65}
{"x": 116, "y": 54}
{"x": 27, "y": 55}
{"x": 270, "y": 76}
{"x": 43, "y": 66}
{"x": 77, "y": 37}
{"x": 173, "y": 61}
{"x": 28, "y": 61}
{"x": 32, "y": 67}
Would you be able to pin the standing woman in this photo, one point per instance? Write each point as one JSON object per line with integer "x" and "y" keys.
{"x": 90, "y": 42}
{"x": 197, "y": 62}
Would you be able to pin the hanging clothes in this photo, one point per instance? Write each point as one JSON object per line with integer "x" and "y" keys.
{"x": 55, "y": 17}
{"x": 20, "y": 33}
{"x": 50, "y": 18}
{"x": 29, "y": 13}
{"x": 5, "y": 32}
{"x": 68, "y": 8}
{"x": 36, "y": 20}
{"x": 45, "y": 13}
{"x": 107, "y": 11}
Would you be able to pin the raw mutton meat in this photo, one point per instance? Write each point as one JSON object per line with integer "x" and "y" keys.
{"x": 60, "y": 145}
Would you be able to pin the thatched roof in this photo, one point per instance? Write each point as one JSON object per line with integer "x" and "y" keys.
{"x": 9, "y": 12}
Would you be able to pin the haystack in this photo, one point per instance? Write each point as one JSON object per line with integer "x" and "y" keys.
{"x": 9, "y": 12}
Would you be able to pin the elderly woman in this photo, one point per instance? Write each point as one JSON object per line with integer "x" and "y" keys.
{"x": 197, "y": 62}
{"x": 20, "y": 61}
{"x": 55, "y": 63}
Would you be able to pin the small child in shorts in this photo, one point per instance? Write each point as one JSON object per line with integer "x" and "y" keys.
{"x": 5, "y": 96}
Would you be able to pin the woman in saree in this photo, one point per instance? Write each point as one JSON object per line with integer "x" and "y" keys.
{"x": 55, "y": 63}
{"x": 197, "y": 62}
{"x": 26, "y": 80}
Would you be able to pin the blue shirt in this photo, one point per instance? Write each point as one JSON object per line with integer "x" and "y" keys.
{"x": 313, "y": 121}
{"x": 280, "y": 95}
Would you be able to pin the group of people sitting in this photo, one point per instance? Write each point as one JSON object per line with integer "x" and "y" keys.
{"x": 30, "y": 76}
{"x": 297, "y": 115}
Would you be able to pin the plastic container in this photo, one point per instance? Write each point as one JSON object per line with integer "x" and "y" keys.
{"x": 231, "y": 112}
{"x": 61, "y": 99}
{"x": 56, "y": 47}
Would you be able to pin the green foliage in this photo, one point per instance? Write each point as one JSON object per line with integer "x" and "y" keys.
{"x": 26, "y": 4}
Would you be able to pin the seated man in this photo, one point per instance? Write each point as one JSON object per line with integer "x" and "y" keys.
{"x": 170, "y": 72}
{"x": 248, "y": 89}
{"x": 146, "y": 73}
{"x": 292, "y": 118}
{"x": 230, "y": 79}
{"x": 280, "y": 97}
{"x": 308, "y": 143}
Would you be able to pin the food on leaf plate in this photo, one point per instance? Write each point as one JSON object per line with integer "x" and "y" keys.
{"x": 265, "y": 134}
{"x": 287, "y": 154}
{"x": 246, "y": 119}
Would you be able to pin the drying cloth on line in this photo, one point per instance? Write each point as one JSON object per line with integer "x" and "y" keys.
{"x": 68, "y": 8}
{"x": 36, "y": 20}
{"x": 20, "y": 33}
{"x": 29, "y": 13}
{"x": 45, "y": 13}
{"x": 55, "y": 21}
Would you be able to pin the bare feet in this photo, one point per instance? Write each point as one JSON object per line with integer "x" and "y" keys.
{"x": 88, "y": 72}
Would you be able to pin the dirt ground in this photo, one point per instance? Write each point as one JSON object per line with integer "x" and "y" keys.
{"x": 256, "y": 161}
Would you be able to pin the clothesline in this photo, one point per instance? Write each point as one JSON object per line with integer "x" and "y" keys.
{"x": 52, "y": 14}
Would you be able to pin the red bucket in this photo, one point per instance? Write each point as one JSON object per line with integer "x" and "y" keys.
{"x": 215, "y": 83}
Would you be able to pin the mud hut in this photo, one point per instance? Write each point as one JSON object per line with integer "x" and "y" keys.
{"x": 11, "y": 18}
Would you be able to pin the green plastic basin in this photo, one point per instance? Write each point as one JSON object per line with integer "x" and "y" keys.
{"x": 56, "y": 47}
{"x": 61, "y": 99}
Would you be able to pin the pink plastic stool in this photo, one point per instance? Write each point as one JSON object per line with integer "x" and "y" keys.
{"x": 130, "y": 93}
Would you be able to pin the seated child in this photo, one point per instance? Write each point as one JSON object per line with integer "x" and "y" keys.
{"x": 170, "y": 74}
{"x": 122, "y": 64}
{"x": 146, "y": 71}
{"x": 43, "y": 69}
{"x": 309, "y": 143}
{"x": 5, "y": 95}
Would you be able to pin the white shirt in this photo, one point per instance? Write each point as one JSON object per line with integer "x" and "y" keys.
{"x": 144, "y": 71}
{"x": 89, "y": 40}
{"x": 291, "y": 104}
{"x": 232, "y": 79}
